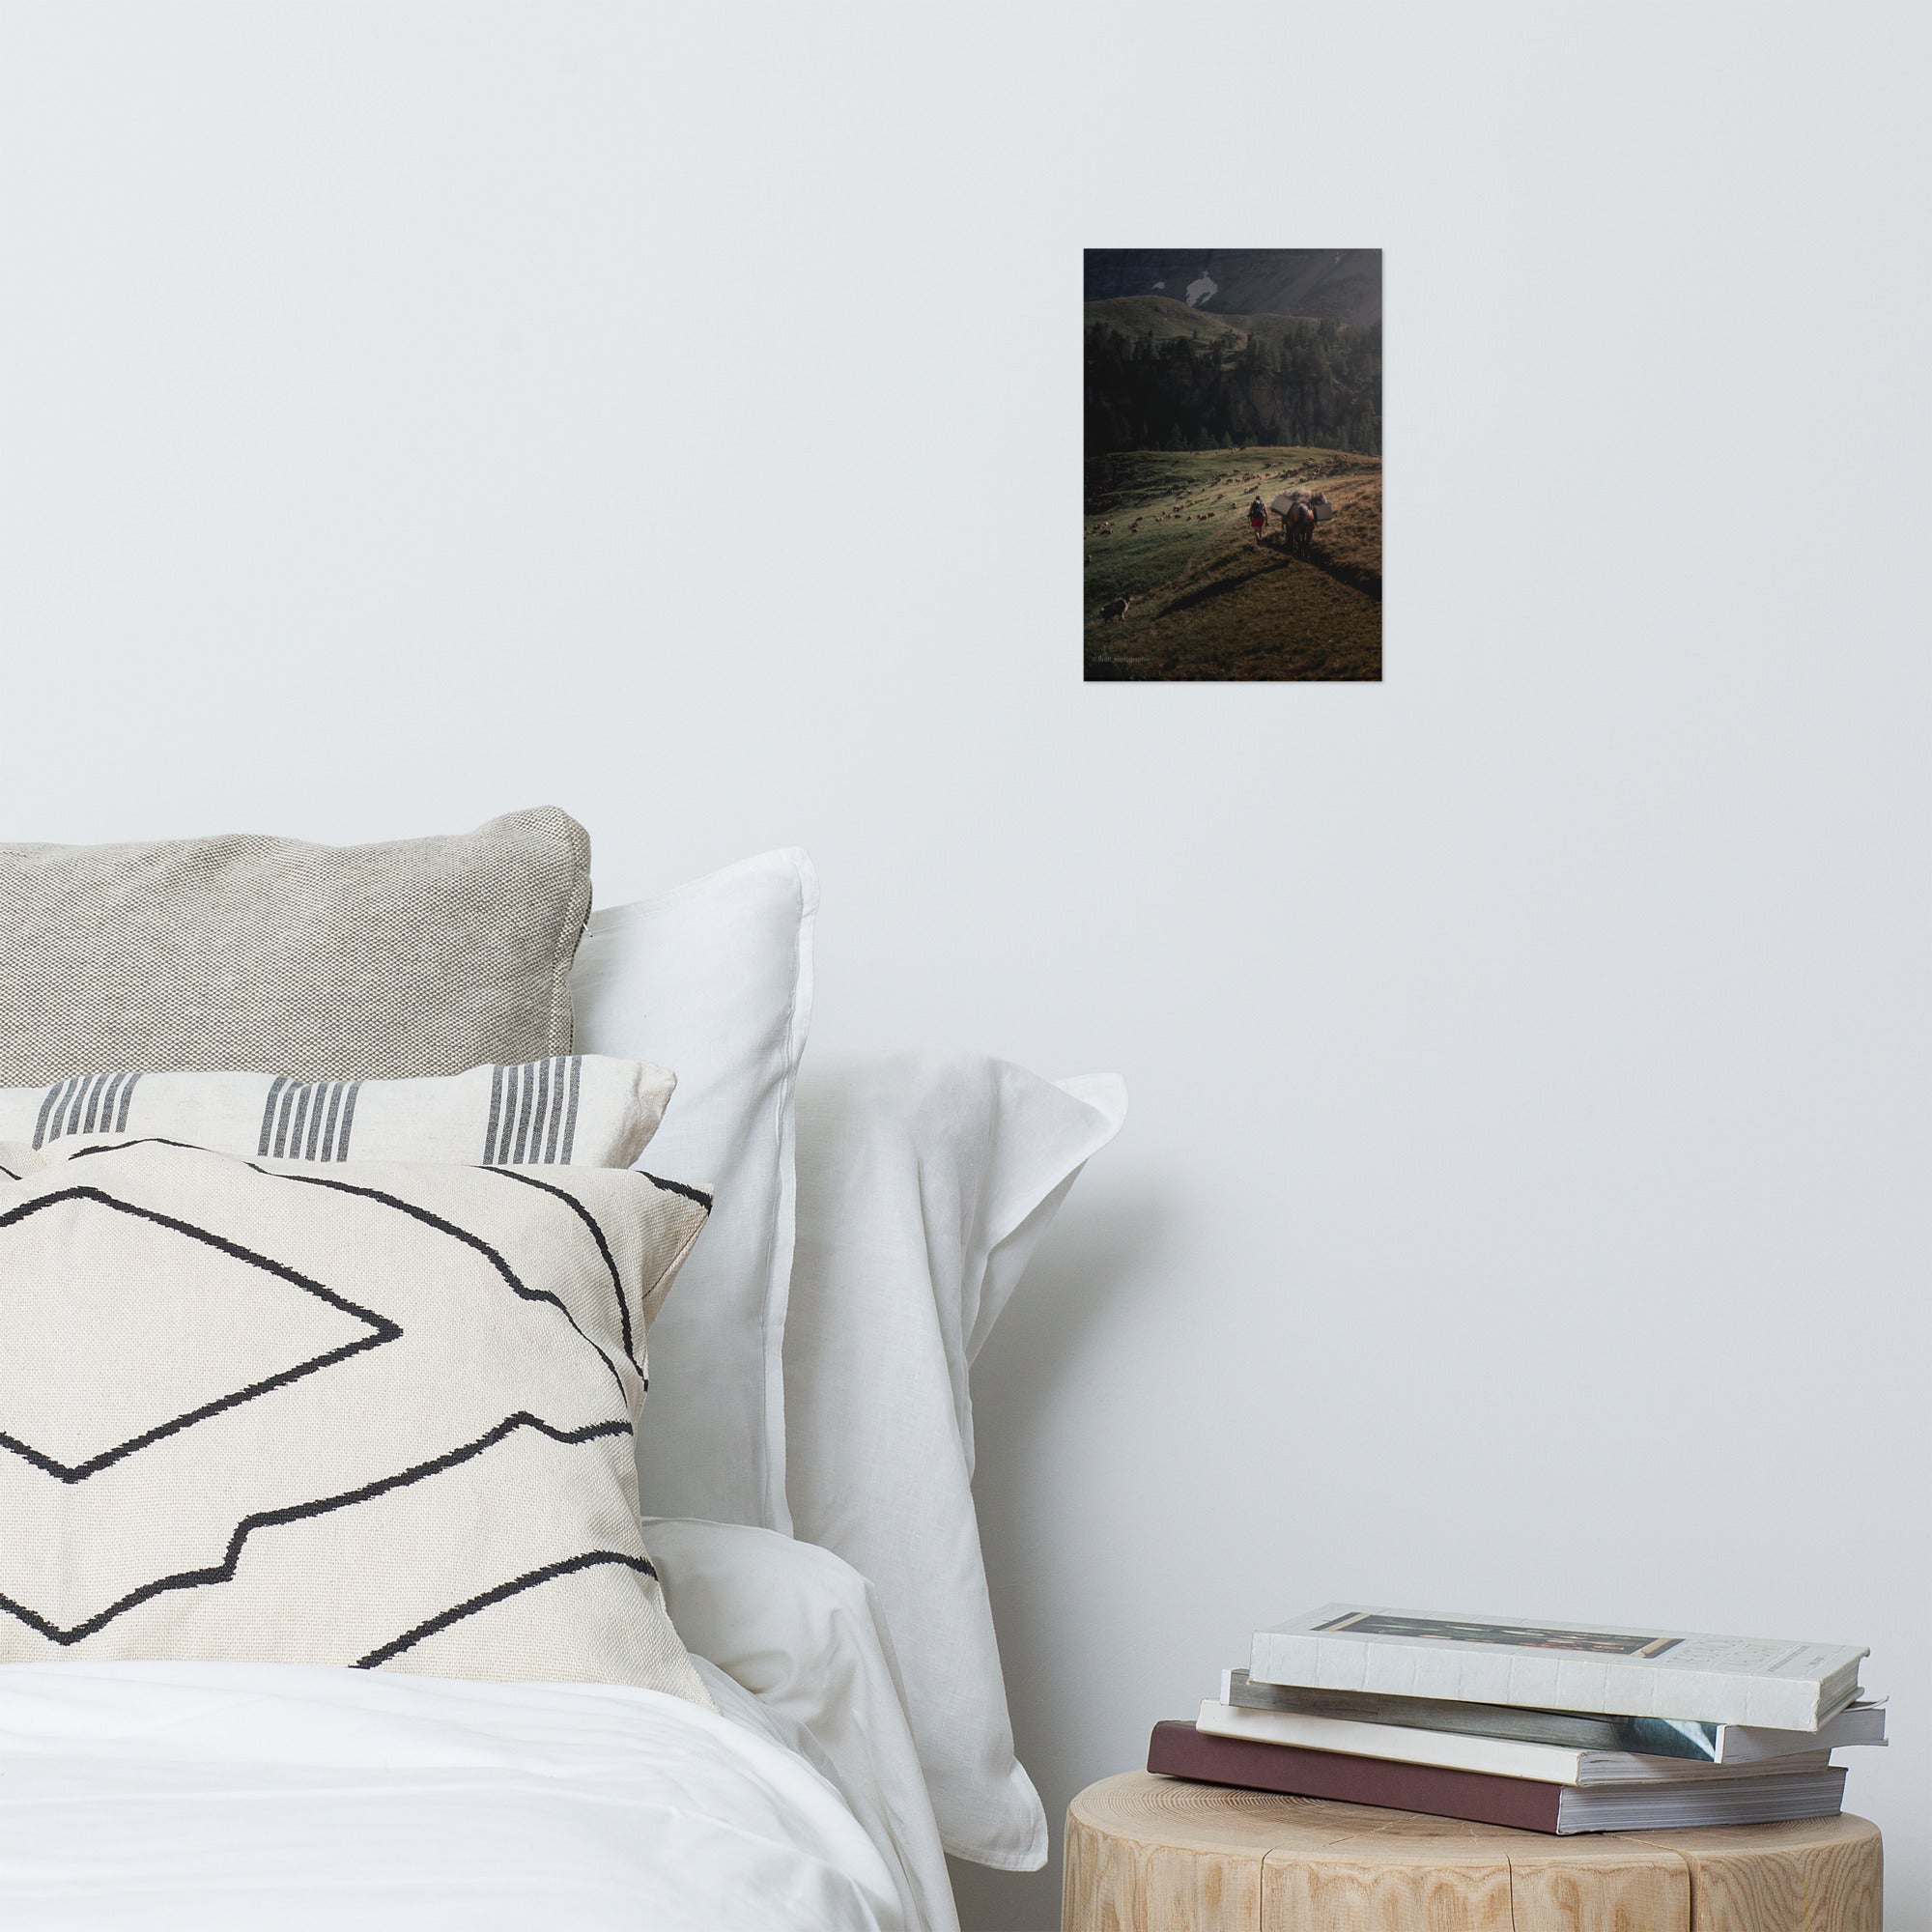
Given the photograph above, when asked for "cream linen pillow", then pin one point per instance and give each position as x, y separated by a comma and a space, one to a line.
324, 962
574, 1110
374, 1414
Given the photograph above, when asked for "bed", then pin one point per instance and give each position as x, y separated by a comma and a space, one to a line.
721, 1658
227, 1794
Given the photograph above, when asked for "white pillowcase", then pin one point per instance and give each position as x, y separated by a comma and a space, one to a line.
925, 1182
714, 980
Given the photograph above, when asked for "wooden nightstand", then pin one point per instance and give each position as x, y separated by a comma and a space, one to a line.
1148, 1854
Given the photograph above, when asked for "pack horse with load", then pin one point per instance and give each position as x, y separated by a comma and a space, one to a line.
1299, 511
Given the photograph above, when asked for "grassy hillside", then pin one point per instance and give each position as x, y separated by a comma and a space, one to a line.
1170, 531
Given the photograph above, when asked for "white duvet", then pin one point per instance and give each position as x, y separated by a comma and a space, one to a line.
223, 1796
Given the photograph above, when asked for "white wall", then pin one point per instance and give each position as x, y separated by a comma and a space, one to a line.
409, 412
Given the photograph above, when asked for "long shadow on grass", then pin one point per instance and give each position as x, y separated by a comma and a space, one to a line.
1220, 589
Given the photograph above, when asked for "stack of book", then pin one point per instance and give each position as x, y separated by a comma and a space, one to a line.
1546, 1727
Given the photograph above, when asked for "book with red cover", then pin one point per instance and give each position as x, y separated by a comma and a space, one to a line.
1180, 1751
1528, 1803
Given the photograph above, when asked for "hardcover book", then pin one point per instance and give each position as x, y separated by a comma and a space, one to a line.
1181, 1751
1650, 1673
1859, 1723
1494, 1757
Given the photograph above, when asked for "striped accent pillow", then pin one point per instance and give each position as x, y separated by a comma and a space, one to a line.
380, 1414
571, 1110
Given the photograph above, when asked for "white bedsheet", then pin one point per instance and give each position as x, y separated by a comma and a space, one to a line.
227, 1796
801, 1629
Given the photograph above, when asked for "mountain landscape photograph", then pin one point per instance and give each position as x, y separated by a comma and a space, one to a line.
1233, 464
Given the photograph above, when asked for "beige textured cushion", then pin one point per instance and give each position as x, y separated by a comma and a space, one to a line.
374, 1414
321, 962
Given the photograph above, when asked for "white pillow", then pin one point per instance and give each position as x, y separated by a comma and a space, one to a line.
713, 981
925, 1182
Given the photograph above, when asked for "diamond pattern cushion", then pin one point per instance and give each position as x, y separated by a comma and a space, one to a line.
366, 1415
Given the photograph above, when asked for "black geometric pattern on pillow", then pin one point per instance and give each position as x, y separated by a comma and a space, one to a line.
224, 1570
362, 1418
378, 1332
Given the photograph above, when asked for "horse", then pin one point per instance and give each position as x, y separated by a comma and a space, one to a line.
1299, 526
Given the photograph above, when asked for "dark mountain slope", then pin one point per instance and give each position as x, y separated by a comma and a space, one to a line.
1164, 319
1342, 284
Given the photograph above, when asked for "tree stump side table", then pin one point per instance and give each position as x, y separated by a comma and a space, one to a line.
1148, 1854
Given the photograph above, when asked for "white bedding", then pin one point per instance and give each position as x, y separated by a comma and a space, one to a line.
801, 1629
226, 1795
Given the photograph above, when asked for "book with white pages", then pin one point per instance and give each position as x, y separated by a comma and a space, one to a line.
1490, 1757
1763, 1682
1860, 1722
1711, 1796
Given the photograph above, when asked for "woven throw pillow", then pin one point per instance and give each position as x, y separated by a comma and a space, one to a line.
575, 1109
376, 1414
321, 962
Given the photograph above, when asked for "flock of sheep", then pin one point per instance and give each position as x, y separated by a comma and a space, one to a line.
1178, 510
1299, 510
1293, 507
